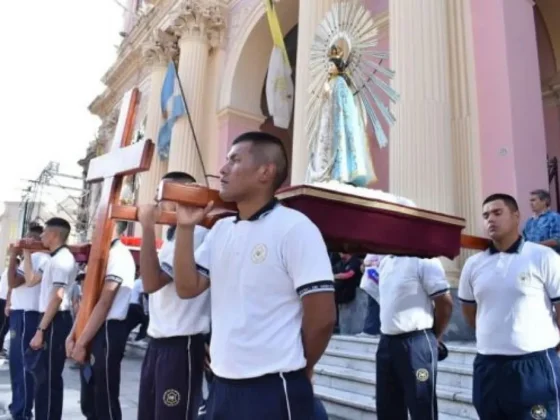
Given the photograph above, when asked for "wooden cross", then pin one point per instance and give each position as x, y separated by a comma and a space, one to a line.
122, 159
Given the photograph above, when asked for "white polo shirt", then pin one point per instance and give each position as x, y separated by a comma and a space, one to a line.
514, 293
171, 316
59, 271
407, 286
4, 285
259, 270
27, 298
121, 269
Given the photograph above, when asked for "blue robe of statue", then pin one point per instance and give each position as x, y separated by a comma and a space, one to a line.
341, 151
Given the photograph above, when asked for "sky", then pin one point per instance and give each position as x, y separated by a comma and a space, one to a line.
54, 54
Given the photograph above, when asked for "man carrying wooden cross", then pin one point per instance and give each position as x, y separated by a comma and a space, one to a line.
24, 318
272, 290
57, 276
171, 380
105, 333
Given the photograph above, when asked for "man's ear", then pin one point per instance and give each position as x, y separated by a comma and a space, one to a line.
267, 172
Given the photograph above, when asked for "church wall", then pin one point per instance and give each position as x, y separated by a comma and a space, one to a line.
511, 122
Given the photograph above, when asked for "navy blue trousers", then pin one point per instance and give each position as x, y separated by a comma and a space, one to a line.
100, 387
23, 326
171, 379
517, 387
372, 323
406, 368
49, 384
287, 396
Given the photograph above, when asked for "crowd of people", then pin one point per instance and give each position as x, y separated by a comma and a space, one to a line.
252, 303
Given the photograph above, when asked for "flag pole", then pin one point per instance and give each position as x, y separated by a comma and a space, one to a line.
191, 123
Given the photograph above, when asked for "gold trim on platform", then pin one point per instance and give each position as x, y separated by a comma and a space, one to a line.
372, 203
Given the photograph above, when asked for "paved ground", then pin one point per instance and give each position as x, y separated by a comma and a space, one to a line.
129, 387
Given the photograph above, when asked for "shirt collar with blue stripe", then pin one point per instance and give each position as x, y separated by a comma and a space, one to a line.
515, 248
266, 209
57, 250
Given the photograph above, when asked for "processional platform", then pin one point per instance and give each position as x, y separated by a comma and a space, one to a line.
355, 224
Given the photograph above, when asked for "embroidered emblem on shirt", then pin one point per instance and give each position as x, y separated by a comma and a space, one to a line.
171, 397
259, 253
422, 375
538, 412
524, 277
91, 360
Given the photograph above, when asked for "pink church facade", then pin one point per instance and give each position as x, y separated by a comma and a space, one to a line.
503, 82
516, 49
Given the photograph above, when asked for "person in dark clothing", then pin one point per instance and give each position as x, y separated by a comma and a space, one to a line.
347, 274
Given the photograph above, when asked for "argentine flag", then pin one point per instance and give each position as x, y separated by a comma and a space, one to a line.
172, 107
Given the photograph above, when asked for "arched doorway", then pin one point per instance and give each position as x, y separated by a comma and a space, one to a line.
240, 103
547, 16
268, 126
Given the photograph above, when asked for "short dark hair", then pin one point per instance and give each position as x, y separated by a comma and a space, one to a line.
179, 176
269, 148
62, 224
508, 200
121, 227
35, 227
543, 195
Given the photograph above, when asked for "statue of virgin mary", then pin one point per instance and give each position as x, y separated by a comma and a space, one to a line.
340, 151
345, 89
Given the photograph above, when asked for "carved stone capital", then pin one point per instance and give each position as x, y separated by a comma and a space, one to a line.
160, 47
205, 19
106, 130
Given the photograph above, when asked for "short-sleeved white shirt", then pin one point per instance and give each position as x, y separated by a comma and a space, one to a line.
27, 298
4, 285
121, 268
259, 270
59, 271
514, 293
171, 316
407, 286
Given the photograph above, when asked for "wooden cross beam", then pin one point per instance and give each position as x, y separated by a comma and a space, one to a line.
121, 160
188, 194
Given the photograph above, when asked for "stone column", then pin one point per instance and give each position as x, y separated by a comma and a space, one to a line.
464, 119
199, 25
160, 49
311, 13
420, 152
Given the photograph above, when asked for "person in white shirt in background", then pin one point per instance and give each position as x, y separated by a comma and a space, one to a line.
370, 270
5, 291
172, 371
137, 312
415, 308
24, 319
105, 335
510, 294
57, 277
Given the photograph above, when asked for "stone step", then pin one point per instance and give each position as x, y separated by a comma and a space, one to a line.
344, 405
455, 375
451, 400
459, 353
